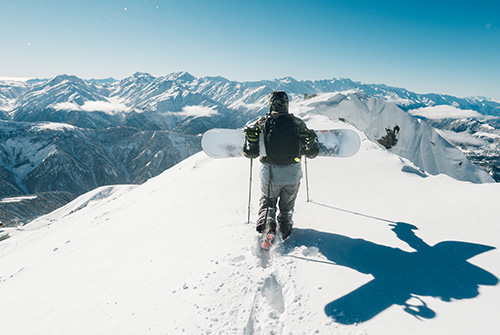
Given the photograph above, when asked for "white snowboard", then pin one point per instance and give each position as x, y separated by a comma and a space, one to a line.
224, 143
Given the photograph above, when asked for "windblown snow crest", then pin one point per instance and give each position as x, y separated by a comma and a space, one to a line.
394, 129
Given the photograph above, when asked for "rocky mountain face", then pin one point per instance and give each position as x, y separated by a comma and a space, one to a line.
67, 134
18, 210
42, 157
49, 157
479, 139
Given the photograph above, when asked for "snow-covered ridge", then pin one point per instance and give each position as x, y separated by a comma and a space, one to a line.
412, 139
175, 255
17, 199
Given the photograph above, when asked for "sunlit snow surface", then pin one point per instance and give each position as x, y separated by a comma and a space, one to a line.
383, 248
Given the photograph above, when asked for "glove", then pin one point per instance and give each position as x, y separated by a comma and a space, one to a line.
309, 147
252, 133
306, 138
251, 147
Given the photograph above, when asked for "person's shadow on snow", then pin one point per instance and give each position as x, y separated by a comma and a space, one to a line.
439, 271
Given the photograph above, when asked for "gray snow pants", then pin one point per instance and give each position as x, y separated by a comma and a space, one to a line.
281, 196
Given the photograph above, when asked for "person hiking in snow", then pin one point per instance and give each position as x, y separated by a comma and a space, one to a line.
286, 138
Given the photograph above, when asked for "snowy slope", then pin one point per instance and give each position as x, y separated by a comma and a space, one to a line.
382, 249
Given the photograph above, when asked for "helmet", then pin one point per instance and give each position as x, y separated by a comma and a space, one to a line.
278, 102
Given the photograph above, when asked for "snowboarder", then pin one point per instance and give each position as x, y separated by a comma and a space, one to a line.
286, 138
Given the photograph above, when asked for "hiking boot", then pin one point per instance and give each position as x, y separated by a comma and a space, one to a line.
268, 237
268, 232
286, 229
285, 223
263, 225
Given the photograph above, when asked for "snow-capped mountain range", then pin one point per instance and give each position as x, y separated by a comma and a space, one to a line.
69, 134
150, 102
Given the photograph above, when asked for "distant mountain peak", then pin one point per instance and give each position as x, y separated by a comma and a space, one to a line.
108, 80
288, 79
64, 77
142, 75
182, 76
217, 78
140, 78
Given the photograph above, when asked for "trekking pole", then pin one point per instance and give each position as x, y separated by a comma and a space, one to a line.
307, 179
250, 189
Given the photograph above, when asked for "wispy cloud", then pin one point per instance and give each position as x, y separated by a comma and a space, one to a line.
92, 106
198, 111
445, 112
462, 138
14, 79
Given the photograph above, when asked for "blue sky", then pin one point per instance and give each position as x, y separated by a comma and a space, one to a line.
425, 46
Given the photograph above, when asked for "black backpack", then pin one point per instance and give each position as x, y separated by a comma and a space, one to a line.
281, 139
